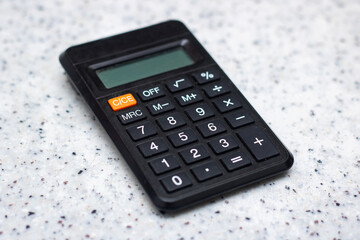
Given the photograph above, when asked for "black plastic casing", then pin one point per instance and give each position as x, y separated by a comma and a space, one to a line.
80, 63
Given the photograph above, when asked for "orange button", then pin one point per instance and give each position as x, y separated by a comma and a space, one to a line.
121, 102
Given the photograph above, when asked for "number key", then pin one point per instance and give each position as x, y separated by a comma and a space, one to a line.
199, 112
223, 144
211, 128
176, 182
153, 147
141, 131
164, 164
183, 137
171, 121
194, 154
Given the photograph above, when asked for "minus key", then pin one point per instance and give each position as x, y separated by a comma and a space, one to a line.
238, 118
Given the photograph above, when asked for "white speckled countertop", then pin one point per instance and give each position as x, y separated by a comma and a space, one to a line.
298, 63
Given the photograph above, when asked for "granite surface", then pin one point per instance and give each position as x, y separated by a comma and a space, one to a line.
298, 63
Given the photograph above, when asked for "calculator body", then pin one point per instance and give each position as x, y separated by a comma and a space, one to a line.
186, 131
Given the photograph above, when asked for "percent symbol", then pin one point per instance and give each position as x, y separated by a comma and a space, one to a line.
207, 75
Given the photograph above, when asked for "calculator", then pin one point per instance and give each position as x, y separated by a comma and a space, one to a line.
179, 122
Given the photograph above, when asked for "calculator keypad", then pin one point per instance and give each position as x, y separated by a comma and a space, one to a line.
195, 124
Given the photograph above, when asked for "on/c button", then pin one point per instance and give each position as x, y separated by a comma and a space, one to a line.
121, 102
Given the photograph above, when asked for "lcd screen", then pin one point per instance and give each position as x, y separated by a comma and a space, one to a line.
144, 67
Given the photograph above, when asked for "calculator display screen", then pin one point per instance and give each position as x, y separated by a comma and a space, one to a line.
144, 67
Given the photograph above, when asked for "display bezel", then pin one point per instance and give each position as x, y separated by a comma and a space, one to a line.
189, 49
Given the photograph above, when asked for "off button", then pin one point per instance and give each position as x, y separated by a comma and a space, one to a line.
151, 93
121, 102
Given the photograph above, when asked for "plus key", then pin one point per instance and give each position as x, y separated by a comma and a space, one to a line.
258, 142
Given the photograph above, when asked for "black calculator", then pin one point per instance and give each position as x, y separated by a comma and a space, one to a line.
183, 127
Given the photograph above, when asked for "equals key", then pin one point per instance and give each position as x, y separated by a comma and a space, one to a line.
238, 118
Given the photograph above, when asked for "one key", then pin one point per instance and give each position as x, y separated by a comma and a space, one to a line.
176, 182
206, 171
151, 93
164, 164
161, 106
194, 154
178, 84
216, 89
189, 97
223, 144
239, 118
235, 161
211, 128
225, 104
153, 147
132, 115
206, 75
171, 121
258, 142
141, 131
183, 137
199, 112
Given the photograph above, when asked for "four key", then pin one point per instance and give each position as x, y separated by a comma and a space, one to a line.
153, 147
